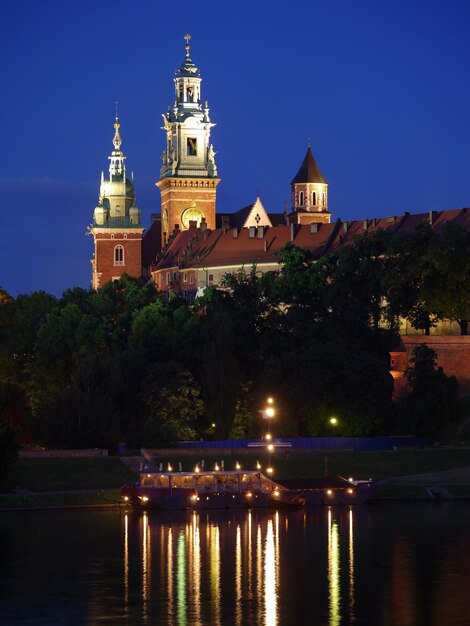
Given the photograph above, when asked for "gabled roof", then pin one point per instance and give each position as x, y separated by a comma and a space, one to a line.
251, 215
309, 172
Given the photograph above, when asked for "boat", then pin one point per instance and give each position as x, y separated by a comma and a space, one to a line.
233, 489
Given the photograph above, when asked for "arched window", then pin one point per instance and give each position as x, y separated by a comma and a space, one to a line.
314, 198
118, 255
301, 198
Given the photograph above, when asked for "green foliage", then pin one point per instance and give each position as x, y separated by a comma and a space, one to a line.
9, 448
172, 404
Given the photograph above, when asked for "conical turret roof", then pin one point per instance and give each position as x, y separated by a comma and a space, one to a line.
309, 172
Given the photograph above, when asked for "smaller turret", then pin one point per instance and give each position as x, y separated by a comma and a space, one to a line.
117, 195
309, 192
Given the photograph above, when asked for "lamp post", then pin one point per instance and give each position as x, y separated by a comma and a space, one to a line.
268, 413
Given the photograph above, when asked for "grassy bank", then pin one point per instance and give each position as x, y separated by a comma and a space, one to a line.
62, 474
364, 465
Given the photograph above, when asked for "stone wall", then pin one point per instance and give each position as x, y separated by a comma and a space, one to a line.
453, 355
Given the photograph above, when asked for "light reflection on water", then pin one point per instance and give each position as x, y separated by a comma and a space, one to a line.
328, 567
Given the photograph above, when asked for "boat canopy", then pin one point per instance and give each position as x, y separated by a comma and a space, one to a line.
215, 481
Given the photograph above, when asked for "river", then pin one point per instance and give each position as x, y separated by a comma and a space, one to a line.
383, 565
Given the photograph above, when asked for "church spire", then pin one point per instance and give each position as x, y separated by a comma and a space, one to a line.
117, 141
117, 167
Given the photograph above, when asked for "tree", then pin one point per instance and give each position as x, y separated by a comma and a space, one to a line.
172, 404
446, 279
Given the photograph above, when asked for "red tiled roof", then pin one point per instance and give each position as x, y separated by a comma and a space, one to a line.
198, 248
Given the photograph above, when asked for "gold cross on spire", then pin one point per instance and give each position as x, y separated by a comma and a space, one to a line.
188, 38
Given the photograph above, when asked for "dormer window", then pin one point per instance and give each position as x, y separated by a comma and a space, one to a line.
118, 255
191, 146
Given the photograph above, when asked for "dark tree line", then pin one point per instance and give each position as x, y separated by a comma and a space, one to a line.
92, 369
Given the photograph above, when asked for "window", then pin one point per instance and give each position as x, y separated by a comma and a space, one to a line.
301, 198
174, 277
168, 278
191, 279
185, 277
324, 199
191, 146
118, 255
211, 278
125, 235
314, 198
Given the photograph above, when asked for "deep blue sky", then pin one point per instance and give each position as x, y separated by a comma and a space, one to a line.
382, 88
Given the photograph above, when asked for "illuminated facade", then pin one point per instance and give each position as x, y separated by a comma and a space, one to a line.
117, 231
188, 175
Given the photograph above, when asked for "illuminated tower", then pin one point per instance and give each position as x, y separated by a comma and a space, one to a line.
309, 194
188, 176
116, 229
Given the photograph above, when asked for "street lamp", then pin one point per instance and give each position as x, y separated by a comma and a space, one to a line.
333, 421
268, 413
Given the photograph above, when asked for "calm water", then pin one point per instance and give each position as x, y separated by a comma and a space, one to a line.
378, 566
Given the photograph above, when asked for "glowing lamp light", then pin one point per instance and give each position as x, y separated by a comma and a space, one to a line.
258, 465
269, 411
148, 475
216, 467
329, 492
268, 437
194, 498
213, 425
237, 465
170, 469
197, 469
270, 470
249, 494
145, 499
126, 498
276, 493
270, 400
333, 421
270, 447
351, 479
350, 491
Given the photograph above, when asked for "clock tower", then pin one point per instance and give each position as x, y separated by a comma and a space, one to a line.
188, 176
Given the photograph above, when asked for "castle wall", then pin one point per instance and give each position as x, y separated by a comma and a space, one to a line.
453, 355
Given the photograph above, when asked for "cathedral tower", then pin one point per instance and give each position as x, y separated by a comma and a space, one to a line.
188, 176
309, 194
116, 229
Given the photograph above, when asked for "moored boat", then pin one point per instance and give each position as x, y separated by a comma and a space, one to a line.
233, 489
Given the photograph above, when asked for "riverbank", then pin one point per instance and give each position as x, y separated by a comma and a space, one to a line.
55, 483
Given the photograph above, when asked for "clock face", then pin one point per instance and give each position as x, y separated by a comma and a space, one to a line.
192, 214
165, 221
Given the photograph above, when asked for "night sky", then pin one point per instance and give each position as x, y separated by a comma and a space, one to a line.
381, 88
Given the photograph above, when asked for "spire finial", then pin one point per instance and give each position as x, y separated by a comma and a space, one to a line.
308, 142
117, 137
187, 37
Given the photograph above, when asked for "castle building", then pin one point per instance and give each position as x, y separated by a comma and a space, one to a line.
116, 229
189, 246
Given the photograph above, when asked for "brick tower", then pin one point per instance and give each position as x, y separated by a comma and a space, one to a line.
116, 229
309, 194
188, 176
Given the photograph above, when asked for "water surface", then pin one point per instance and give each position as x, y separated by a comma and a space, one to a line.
372, 565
